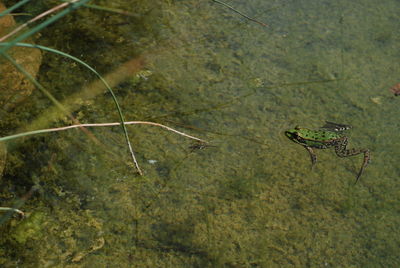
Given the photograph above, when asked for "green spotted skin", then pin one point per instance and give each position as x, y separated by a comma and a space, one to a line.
330, 136
320, 139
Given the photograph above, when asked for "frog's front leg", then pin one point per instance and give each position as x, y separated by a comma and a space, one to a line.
312, 155
342, 151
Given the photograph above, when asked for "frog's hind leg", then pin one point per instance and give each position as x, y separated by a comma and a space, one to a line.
365, 163
342, 151
312, 155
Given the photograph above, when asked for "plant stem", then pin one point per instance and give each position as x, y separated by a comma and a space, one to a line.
13, 209
99, 125
241, 14
17, 5
35, 19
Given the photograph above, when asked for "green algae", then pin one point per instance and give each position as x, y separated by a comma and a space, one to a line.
29, 228
252, 200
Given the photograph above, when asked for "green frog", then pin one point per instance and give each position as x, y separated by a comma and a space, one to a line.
331, 135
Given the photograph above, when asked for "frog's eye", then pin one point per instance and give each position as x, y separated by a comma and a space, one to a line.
296, 127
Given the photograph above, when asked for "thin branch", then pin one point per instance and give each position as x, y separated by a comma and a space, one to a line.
37, 18
13, 209
20, 68
99, 125
241, 14
103, 125
17, 5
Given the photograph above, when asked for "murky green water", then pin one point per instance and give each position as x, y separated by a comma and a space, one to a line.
250, 201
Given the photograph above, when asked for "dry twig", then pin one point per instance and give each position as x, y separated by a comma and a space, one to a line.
241, 14
13, 209
19, 28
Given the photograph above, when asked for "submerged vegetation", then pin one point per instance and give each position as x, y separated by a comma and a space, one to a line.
246, 199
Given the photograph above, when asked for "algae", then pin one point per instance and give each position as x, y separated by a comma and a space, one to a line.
29, 228
250, 201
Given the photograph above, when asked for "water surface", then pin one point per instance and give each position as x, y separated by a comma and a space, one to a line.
250, 201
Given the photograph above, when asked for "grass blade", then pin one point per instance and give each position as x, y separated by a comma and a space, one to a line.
61, 107
74, 5
17, 5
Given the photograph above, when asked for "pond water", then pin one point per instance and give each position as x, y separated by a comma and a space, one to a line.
250, 199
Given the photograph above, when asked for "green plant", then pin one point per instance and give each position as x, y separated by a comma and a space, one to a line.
70, 6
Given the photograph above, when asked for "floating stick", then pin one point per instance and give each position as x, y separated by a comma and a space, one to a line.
13, 209
98, 125
102, 125
241, 14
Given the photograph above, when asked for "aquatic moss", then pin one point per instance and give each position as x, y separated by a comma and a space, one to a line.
29, 228
252, 200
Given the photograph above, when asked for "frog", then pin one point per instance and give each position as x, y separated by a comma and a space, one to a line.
330, 135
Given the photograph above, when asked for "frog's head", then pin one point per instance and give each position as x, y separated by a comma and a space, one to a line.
294, 135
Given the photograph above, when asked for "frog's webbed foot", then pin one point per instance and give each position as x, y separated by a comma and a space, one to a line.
312, 155
365, 163
335, 126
